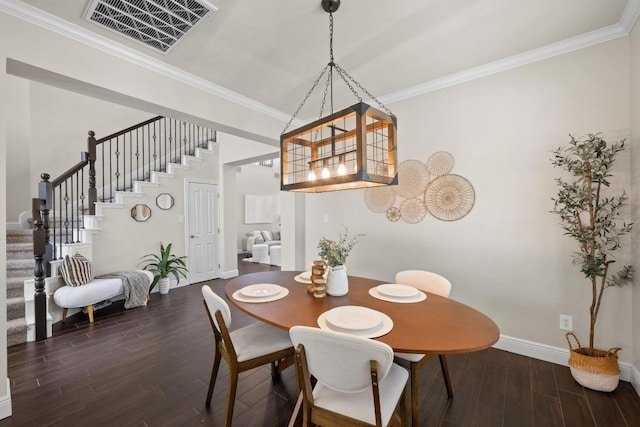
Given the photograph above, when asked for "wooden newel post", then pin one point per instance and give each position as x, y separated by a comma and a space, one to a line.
93, 193
40, 296
46, 200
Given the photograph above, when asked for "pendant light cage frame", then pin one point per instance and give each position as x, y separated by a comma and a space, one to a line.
353, 148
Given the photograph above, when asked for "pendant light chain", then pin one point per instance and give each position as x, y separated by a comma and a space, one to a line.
346, 77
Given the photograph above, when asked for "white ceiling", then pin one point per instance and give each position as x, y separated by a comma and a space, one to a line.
272, 51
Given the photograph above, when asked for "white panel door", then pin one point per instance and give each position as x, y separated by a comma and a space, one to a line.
202, 230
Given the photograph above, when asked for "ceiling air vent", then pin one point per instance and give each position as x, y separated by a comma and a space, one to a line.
159, 24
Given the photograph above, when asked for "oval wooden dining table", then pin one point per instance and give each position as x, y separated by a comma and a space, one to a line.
437, 325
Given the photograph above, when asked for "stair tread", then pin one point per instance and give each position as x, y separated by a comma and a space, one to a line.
20, 263
16, 325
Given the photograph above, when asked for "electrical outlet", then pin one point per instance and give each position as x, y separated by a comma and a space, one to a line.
566, 322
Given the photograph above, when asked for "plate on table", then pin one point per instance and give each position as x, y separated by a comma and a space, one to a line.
306, 275
353, 317
384, 326
396, 290
260, 290
420, 296
301, 279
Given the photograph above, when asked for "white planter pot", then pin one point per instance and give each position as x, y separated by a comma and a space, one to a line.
337, 282
164, 285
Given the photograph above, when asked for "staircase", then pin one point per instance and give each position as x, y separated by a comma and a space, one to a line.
116, 172
20, 266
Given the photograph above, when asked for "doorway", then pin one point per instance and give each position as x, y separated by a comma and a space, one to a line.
202, 230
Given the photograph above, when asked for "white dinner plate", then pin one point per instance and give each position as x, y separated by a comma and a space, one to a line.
237, 295
353, 317
383, 328
305, 275
421, 296
260, 290
397, 291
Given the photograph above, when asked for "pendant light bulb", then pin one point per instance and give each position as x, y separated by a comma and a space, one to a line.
325, 173
342, 169
311, 176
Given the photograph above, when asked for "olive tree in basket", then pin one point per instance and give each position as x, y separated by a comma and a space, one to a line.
592, 217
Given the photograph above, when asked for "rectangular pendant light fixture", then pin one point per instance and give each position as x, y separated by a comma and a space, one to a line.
353, 148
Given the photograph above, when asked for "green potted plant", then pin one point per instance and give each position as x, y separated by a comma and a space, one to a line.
592, 217
162, 266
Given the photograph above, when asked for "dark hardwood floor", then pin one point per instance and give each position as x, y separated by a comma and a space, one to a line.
150, 366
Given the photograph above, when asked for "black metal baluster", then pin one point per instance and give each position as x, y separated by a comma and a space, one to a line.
155, 152
53, 219
60, 220
103, 169
66, 212
117, 153
137, 154
164, 124
130, 162
110, 172
149, 150
82, 196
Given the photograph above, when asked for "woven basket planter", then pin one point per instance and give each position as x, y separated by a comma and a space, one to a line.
593, 368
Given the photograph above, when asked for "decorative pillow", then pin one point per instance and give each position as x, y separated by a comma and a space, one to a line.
266, 235
257, 233
76, 270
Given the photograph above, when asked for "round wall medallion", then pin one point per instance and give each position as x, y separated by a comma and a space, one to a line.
413, 211
393, 214
413, 178
379, 199
440, 163
450, 197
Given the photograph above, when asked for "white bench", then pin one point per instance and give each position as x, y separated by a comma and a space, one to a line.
91, 293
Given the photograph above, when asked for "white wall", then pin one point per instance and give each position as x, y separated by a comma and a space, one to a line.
634, 49
5, 396
123, 241
508, 257
256, 181
19, 149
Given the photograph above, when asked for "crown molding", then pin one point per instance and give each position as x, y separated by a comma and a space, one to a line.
630, 15
53, 23
549, 51
28, 13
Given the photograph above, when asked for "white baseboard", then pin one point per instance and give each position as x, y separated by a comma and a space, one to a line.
635, 379
557, 355
5, 403
229, 274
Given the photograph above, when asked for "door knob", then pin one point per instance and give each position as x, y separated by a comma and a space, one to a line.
193, 236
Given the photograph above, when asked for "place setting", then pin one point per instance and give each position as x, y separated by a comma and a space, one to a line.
395, 292
260, 292
304, 277
356, 320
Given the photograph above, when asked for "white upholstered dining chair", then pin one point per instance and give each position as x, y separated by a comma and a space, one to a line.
357, 382
243, 349
436, 284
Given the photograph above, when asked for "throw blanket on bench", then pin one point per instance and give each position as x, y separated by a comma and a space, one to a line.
136, 287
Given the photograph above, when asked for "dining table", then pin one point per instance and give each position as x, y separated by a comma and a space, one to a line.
433, 325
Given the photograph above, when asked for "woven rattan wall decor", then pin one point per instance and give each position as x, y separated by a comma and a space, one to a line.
424, 188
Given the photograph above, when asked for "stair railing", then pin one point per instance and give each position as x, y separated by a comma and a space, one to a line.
110, 164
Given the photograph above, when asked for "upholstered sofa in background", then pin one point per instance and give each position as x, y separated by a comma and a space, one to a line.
260, 236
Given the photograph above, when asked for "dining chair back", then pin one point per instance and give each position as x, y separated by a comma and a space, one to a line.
243, 349
435, 284
425, 281
357, 381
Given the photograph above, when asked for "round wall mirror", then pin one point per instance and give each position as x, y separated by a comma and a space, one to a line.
141, 213
164, 201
